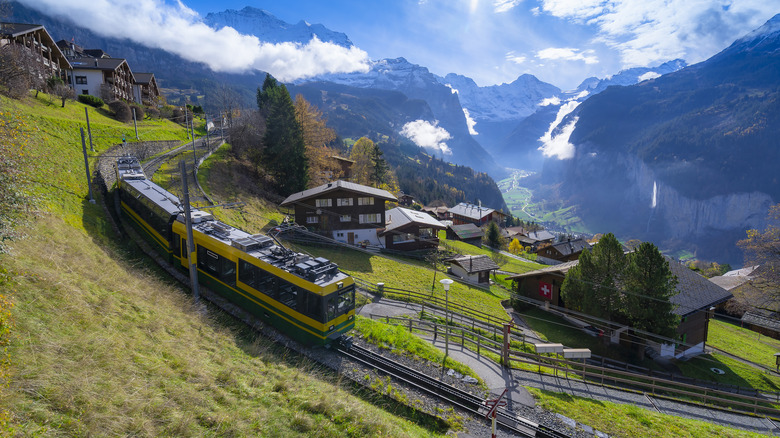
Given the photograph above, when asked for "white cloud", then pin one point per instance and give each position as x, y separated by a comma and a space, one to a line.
555, 100
650, 31
568, 54
428, 135
559, 146
504, 5
517, 59
648, 75
470, 122
580, 95
176, 29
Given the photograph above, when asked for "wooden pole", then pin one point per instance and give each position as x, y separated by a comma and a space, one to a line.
190, 242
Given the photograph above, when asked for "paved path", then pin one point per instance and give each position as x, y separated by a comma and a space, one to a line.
497, 378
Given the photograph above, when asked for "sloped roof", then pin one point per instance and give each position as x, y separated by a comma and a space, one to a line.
561, 270
571, 246
474, 264
338, 185
109, 64
467, 231
399, 216
143, 78
541, 235
471, 211
763, 318
694, 292
16, 29
729, 282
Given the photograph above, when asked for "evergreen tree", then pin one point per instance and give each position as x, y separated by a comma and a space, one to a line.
285, 150
493, 235
649, 284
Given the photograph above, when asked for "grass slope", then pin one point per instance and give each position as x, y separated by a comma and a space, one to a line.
103, 344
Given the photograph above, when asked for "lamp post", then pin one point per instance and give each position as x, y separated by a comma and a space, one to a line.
446, 283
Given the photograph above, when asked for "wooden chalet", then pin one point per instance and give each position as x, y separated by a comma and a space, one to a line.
475, 269
48, 59
348, 212
145, 89
465, 213
405, 199
107, 78
409, 230
565, 251
468, 233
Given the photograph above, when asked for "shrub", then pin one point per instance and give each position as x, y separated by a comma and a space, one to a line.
139, 111
90, 100
121, 111
153, 112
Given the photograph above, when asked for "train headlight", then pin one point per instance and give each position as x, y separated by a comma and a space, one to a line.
340, 285
331, 328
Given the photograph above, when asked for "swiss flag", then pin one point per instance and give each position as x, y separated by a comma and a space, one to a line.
545, 290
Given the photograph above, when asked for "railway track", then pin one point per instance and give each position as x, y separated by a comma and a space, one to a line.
454, 396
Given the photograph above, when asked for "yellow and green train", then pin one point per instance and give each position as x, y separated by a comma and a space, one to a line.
309, 299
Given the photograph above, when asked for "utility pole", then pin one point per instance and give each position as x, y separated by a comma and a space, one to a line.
190, 242
135, 125
194, 154
186, 123
207, 131
89, 131
86, 166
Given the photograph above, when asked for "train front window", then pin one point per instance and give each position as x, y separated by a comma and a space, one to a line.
341, 303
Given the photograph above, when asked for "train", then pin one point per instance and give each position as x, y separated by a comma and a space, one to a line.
306, 298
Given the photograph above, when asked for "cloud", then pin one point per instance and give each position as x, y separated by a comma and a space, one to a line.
517, 59
428, 135
651, 31
558, 146
177, 29
504, 5
555, 100
471, 123
568, 54
648, 75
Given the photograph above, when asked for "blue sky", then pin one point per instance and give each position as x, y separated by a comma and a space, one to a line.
559, 41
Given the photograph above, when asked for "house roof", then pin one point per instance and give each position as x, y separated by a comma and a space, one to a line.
515, 230
467, 231
474, 264
338, 185
523, 239
694, 292
109, 64
763, 318
13, 30
398, 217
436, 210
729, 282
571, 246
470, 211
143, 78
541, 235
560, 270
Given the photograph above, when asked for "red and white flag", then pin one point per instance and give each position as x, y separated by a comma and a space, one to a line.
545, 290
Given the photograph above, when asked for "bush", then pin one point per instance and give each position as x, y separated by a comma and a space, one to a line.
90, 100
121, 111
139, 111
153, 112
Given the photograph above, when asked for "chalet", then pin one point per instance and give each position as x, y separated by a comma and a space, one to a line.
145, 89
107, 78
540, 238
346, 211
345, 165
472, 268
565, 251
695, 297
753, 301
405, 199
47, 59
439, 213
409, 230
465, 213
468, 233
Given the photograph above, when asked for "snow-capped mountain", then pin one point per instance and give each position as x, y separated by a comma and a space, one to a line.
266, 27
513, 101
627, 77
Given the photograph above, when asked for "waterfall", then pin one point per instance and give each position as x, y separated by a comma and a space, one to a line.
652, 205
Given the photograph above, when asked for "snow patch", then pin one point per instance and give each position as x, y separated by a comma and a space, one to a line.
648, 75
471, 123
559, 146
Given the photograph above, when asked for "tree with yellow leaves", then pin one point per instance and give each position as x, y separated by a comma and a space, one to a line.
318, 137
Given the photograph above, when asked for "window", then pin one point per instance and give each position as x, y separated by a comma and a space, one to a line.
373, 218
323, 202
426, 232
341, 303
405, 237
345, 218
84, 91
82, 80
344, 202
217, 266
257, 278
366, 201
312, 219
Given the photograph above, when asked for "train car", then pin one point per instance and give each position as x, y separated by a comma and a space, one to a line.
307, 298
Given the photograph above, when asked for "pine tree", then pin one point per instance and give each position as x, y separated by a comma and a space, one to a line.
649, 284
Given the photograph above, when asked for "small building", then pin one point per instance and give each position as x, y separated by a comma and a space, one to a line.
47, 59
345, 165
348, 212
465, 213
106, 78
562, 251
145, 89
439, 213
468, 233
475, 269
405, 199
540, 238
543, 284
753, 299
409, 230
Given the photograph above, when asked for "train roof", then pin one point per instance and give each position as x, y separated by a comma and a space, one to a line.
156, 194
317, 270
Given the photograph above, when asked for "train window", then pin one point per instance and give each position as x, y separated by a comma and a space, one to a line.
257, 278
175, 245
216, 265
288, 295
184, 249
341, 303
312, 306
228, 272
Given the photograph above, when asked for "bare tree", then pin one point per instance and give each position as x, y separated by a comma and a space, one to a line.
227, 102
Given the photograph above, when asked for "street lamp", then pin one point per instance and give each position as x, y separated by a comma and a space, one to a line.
446, 283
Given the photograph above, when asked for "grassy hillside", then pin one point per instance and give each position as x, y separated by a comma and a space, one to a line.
103, 344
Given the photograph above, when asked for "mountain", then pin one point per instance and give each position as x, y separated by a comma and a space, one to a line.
521, 143
415, 80
690, 156
266, 27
